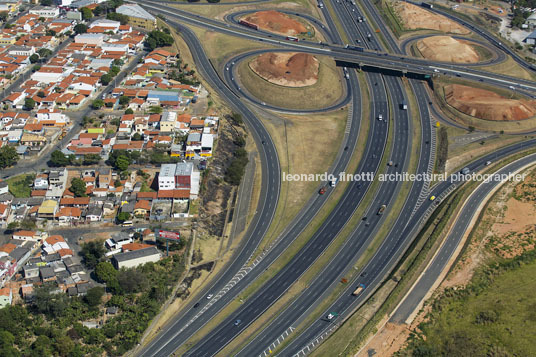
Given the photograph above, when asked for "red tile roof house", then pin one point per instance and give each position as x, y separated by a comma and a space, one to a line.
67, 215
28, 235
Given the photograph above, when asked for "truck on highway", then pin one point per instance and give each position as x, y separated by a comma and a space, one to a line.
404, 105
354, 48
359, 289
427, 5
249, 24
381, 209
292, 38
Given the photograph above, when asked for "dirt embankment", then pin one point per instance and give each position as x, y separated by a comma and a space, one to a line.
484, 104
448, 49
289, 69
277, 22
414, 17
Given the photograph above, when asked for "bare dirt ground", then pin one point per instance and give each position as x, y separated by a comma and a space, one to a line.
288, 69
448, 49
414, 17
277, 22
484, 104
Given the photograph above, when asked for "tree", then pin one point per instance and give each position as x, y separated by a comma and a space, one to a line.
41, 346
158, 38
59, 159
123, 19
46, 2
122, 162
8, 156
137, 137
29, 103
114, 71
131, 280
123, 216
105, 79
41, 94
97, 104
106, 273
44, 52
78, 187
34, 58
129, 111
86, 13
94, 296
3, 16
92, 252
50, 33
80, 28
124, 100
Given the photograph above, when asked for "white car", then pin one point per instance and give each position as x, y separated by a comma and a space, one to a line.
380, 117
209, 296
330, 316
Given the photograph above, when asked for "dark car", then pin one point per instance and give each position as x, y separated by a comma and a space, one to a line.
196, 305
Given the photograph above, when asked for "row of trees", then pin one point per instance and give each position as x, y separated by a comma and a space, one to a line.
59, 159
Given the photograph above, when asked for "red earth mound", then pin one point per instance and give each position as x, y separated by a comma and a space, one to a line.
289, 69
277, 22
484, 104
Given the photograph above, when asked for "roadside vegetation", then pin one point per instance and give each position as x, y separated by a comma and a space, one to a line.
494, 315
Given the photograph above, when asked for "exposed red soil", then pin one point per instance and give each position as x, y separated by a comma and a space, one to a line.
289, 69
277, 22
484, 104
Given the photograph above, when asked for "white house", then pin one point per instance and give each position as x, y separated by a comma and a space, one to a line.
90, 38
110, 25
48, 75
21, 50
45, 11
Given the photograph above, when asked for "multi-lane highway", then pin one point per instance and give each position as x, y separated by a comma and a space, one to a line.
387, 94
191, 320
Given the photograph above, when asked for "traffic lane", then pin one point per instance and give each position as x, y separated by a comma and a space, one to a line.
347, 302
403, 63
351, 248
270, 181
450, 244
278, 285
354, 142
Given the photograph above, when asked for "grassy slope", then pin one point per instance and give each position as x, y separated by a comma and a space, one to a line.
509, 301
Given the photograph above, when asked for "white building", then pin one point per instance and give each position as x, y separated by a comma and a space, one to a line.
166, 178
135, 258
108, 24
45, 11
21, 50
48, 75
90, 38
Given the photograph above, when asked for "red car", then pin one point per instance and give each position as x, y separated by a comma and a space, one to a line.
322, 191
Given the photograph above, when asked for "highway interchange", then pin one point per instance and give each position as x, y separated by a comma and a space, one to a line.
387, 94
